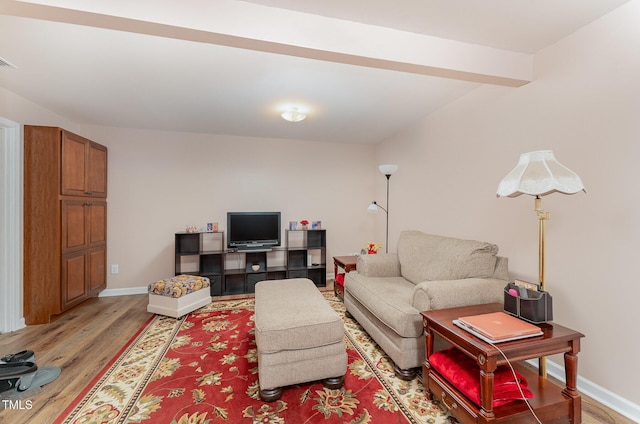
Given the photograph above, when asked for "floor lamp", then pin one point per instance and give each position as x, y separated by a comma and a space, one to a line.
387, 170
538, 174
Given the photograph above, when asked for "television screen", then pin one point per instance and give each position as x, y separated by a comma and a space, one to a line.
253, 230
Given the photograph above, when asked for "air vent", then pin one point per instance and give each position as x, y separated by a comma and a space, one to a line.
6, 64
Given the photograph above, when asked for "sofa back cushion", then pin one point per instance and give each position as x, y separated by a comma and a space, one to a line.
426, 257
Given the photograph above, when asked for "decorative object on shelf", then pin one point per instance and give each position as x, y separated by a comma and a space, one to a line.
372, 248
387, 170
209, 227
215, 227
293, 225
191, 229
255, 267
538, 174
316, 225
305, 224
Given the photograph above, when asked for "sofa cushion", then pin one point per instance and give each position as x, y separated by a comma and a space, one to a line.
426, 257
389, 300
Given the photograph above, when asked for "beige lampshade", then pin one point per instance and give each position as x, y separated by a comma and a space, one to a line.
538, 174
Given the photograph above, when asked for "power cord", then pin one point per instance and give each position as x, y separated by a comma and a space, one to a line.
515, 377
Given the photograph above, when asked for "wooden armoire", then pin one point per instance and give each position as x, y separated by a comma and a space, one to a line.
65, 221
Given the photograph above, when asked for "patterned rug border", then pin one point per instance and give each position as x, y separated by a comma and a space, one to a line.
98, 381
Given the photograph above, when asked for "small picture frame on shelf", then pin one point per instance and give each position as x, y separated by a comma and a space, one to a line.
209, 227
316, 225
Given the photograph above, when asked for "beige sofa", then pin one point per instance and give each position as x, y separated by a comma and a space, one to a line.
387, 292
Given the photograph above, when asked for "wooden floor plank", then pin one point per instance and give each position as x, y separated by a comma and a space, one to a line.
85, 339
80, 342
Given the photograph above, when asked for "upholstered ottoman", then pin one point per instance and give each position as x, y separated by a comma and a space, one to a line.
179, 295
298, 335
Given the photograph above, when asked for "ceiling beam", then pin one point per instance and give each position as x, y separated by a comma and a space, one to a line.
260, 28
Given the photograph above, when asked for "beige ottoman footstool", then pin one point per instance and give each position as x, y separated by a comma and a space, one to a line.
298, 335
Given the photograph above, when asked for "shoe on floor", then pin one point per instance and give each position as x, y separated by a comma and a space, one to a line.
23, 356
20, 377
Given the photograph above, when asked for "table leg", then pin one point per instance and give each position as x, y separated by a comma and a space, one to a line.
486, 394
571, 377
428, 341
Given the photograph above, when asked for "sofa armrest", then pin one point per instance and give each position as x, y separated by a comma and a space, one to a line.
501, 271
431, 295
379, 265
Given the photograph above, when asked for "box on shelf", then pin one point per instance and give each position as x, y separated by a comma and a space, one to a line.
536, 308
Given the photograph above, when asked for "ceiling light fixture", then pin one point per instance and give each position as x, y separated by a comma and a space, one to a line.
293, 115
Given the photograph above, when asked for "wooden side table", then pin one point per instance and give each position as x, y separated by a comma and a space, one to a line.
348, 263
551, 403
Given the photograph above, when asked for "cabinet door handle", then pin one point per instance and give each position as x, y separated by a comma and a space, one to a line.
88, 204
88, 193
453, 406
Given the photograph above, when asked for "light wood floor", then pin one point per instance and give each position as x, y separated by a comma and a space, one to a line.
84, 340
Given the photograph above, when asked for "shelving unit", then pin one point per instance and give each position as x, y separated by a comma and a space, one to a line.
307, 255
231, 272
201, 254
239, 276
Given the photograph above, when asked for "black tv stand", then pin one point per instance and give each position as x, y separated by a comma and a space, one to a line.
231, 271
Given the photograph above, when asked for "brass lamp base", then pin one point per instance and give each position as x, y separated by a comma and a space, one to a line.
543, 217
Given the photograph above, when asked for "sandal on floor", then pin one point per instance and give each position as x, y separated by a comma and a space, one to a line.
17, 378
17, 374
24, 356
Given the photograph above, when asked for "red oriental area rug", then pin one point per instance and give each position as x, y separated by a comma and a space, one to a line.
203, 369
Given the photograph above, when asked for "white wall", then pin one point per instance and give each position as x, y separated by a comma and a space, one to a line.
585, 106
160, 182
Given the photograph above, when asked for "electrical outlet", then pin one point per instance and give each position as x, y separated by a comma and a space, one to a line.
114, 269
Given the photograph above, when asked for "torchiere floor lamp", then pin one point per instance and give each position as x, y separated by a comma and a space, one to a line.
387, 170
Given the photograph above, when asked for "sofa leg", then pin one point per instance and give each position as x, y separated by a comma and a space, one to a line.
404, 374
334, 382
270, 395
348, 314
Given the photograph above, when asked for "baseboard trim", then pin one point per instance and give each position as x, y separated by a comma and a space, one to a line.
123, 292
598, 393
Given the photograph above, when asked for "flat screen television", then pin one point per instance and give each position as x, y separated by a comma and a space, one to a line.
253, 230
